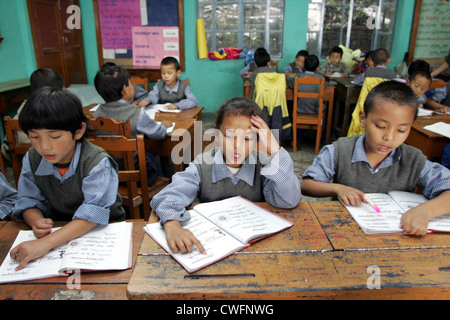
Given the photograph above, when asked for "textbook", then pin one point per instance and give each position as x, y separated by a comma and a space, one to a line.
222, 227
102, 248
392, 205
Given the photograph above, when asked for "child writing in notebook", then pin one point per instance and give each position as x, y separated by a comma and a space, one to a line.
64, 177
335, 64
298, 65
170, 89
420, 82
114, 86
380, 161
233, 168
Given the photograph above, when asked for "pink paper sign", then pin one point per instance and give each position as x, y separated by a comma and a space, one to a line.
117, 17
152, 44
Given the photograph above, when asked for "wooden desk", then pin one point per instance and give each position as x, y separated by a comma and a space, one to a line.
432, 144
346, 93
193, 113
12, 94
102, 285
297, 264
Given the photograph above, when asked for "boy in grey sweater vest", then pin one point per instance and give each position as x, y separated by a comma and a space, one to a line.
379, 161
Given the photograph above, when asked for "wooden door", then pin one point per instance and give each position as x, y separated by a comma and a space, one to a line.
56, 46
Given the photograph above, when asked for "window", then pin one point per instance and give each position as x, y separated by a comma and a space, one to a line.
243, 24
356, 24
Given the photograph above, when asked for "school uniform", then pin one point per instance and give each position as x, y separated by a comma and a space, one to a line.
180, 95
87, 190
329, 67
8, 196
306, 105
376, 72
345, 162
291, 67
442, 95
207, 178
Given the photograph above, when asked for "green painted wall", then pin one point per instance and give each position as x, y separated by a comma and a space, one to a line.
211, 81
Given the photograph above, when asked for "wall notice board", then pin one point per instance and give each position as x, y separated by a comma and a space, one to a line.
430, 35
137, 34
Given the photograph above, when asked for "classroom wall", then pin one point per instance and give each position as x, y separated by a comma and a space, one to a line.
211, 81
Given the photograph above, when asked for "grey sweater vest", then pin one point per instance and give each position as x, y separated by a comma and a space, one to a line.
402, 176
172, 97
64, 199
224, 188
120, 112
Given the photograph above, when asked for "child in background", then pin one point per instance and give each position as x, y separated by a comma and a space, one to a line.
8, 197
335, 64
419, 82
380, 58
262, 61
40, 78
114, 86
234, 168
440, 100
298, 65
170, 89
380, 161
64, 177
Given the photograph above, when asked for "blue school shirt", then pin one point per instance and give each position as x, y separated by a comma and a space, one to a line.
281, 187
188, 103
434, 178
99, 188
8, 196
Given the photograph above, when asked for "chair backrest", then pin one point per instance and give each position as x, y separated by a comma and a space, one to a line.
140, 81
2, 165
187, 81
274, 64
17, 150
131, 176
316, 82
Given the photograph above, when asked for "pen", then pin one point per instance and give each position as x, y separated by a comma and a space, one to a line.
369, 201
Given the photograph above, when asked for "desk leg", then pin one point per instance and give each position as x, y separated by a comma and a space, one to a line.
330, 116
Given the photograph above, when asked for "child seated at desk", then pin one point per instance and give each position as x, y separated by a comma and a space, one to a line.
262, 62
40, 78
380, 161
335, 64
380, 58
307, 105
170, 89
64, 177
8, 197
298, 65
114, 86
420, 81
440, 100
233, 168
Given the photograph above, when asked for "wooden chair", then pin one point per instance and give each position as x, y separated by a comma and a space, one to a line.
140, 81
17, 151
2, 165
187, 81
274, 64
130, 176
308, 121
125, 189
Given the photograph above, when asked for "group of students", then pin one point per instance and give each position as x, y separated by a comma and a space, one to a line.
78, 181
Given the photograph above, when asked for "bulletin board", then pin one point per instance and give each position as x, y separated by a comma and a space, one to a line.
430, 34
137, 34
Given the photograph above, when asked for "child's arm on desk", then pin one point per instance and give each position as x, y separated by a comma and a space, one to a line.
415, 220
348, 195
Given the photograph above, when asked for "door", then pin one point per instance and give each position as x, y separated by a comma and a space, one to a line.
56, 46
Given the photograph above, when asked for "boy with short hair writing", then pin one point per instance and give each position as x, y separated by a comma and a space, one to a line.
380, 161
298, 65
380, 58
170, 89
420, 81
335, 64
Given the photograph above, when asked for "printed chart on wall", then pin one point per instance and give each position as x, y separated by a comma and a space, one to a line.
145, 31
433, 35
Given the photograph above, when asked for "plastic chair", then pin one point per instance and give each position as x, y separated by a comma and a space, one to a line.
308, 121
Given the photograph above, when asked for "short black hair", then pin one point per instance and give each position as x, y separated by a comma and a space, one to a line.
262, 57
238, 106
52, 109
311, 63
109, 82
422, 73
336, 50
396, 92
302, 53
46, 77
379, 56
170, 60
418, 65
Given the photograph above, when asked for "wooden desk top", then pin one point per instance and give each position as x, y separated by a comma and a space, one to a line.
14, 84
102, 285
345, 234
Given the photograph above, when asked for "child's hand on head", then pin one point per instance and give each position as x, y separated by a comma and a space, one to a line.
267, 141
349, 196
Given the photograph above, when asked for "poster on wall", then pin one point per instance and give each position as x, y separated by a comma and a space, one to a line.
152, 44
